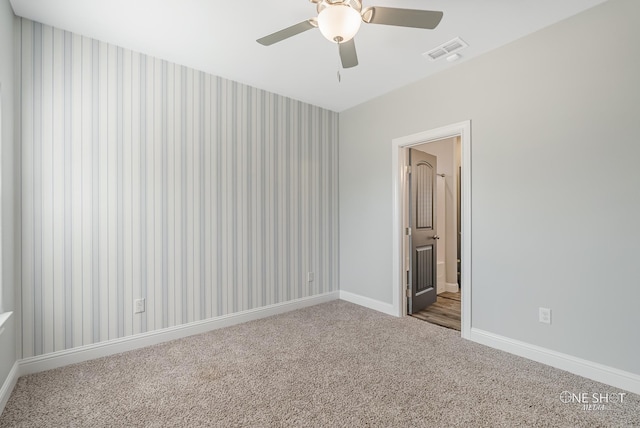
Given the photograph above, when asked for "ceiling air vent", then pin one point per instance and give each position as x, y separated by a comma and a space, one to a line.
445, 49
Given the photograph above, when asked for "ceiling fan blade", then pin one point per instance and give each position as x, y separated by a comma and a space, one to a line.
279, 36
348, 54
414, 18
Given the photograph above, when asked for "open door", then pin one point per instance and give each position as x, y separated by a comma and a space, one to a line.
423, 238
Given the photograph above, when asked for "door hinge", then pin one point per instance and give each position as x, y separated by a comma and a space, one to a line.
408, 231
407, 169
408, 292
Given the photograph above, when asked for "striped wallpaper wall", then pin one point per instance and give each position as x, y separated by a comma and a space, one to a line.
145, 179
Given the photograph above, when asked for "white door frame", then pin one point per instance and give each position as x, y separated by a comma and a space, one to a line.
398, 177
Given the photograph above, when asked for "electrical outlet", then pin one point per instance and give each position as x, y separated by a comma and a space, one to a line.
138, 306
544, 315
310, 276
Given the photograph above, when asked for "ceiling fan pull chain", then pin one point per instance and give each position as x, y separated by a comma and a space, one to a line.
339, 64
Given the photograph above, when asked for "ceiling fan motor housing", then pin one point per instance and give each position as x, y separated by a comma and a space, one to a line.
321, 4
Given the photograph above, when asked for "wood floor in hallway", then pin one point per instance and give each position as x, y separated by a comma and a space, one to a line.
445, 311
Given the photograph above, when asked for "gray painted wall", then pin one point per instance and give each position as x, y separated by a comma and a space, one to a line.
145, 179
7, 287
555, 178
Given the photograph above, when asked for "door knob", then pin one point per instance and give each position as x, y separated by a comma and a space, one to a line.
435, 237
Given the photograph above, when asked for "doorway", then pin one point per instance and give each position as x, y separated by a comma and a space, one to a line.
400, 148
443, 197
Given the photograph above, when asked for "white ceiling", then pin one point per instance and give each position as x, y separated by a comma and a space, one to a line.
219, 37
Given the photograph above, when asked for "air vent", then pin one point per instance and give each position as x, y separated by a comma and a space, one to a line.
435, 54
445, 49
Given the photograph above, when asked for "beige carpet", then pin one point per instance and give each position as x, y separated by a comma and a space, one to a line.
330, 365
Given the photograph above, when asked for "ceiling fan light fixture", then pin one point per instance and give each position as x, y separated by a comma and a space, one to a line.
339, 22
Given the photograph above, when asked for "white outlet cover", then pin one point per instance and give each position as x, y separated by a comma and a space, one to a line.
138, 306
544, 315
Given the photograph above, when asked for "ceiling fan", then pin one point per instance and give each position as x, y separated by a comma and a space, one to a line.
339, 21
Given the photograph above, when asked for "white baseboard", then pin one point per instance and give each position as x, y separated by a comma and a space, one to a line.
8, 385
595, 371
367, 302
89, 352
451, 287
598, 372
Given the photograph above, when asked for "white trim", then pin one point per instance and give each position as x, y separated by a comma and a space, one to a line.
451, 287
8, 385
89, 352
367, 302
595, 371
462, 129
4, 317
